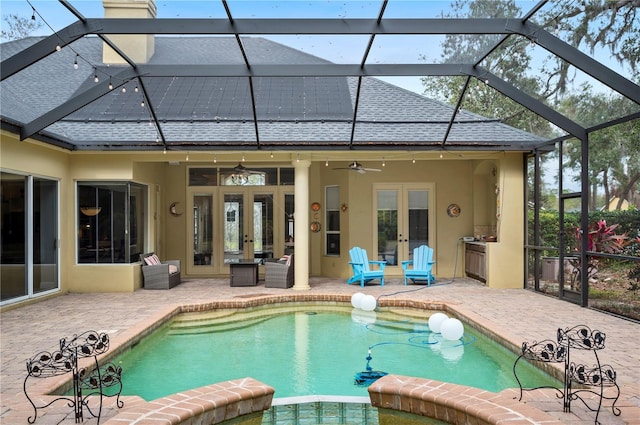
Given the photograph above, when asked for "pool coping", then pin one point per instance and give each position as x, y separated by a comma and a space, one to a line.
125, 339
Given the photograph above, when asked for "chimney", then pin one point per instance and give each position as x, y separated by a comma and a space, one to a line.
139, 47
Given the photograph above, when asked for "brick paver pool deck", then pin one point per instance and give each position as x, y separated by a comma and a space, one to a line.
514, 315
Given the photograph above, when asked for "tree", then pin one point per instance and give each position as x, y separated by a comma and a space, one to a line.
18, 27
585, 24
614, 152
611, 24
510, 64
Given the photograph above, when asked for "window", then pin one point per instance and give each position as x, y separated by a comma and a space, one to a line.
332, 232
244, 176
111, 222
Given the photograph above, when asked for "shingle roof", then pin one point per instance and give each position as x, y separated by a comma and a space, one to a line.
217, 112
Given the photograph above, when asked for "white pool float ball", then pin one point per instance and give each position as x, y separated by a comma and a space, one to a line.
452, 329
435, 321
368, 303
356, 299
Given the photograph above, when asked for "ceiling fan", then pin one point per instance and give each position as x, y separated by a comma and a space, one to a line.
244, 171
357, 167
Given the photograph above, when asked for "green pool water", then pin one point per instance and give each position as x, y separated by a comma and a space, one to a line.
312, 350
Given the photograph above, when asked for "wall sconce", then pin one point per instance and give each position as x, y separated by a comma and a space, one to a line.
90, 211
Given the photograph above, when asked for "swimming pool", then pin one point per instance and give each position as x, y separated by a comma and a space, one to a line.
311, 349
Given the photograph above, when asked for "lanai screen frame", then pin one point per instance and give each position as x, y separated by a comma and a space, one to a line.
370, 27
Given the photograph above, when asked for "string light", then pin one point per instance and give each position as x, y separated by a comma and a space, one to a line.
124, 89
33, 13
297, 158
326, 163
58, 48
440, 156
271, 155
142, 103
383, 162
413, 160
165, 151
136, 89
75, 62
187, 158
95, 75
215, 159
110, 84
242, 160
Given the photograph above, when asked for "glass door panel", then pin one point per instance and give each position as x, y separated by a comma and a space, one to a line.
418, 219
387, 225
234, 227
45, 234
13, 246
262, 226
288, 224
202, 229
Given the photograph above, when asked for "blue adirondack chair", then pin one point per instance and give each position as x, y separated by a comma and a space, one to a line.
362, 272
421, 265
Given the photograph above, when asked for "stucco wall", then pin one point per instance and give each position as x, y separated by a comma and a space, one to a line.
452, 181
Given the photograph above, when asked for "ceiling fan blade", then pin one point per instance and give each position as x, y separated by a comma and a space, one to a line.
241, 169
371, 169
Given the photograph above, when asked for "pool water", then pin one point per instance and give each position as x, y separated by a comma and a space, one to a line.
312, 350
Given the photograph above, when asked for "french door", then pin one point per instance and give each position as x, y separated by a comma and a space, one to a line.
248, 224
404, 219
239, 223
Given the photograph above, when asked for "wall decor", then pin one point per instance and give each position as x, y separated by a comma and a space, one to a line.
453, 210
173, 209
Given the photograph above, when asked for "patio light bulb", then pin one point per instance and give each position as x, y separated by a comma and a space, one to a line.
271, 155
413, 160
242, 160
215, 159
33, 13
95, 76
164, 151
110, 84
58, 48
75, 62
124, 89
142, 103
187, 158
326, 163
383, 162
297, 158
135, 89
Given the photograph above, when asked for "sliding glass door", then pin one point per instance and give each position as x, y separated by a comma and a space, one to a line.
29, 259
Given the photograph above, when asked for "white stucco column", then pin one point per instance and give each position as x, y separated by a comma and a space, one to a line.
301, 225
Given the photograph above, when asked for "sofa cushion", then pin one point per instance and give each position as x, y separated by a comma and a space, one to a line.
152, 260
